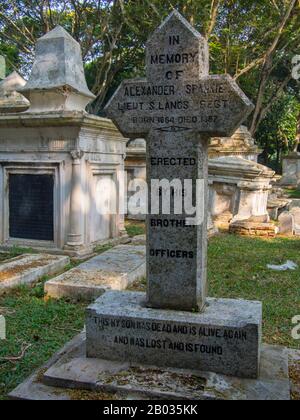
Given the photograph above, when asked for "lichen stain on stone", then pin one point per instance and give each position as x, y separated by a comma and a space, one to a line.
21, 268
95, 277
295, 380
165, 381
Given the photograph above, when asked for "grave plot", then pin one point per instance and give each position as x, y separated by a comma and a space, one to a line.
115, 269
29, 268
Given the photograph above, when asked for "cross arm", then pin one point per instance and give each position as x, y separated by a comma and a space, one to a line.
219, 105
129, 107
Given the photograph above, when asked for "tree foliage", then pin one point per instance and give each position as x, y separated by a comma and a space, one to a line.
254, 41
277, 133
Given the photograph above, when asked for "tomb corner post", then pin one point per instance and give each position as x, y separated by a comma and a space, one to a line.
75, 236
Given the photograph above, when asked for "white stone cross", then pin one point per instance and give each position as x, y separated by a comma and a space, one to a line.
177, 109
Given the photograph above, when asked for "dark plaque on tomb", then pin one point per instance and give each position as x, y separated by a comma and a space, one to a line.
31, 207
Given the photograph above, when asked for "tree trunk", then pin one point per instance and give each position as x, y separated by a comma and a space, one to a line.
268, 66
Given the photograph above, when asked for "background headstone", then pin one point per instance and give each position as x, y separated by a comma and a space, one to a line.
286, 223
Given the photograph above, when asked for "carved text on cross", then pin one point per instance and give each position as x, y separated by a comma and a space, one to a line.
177, 108
178, 94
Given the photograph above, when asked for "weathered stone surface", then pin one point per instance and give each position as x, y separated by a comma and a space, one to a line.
132, 381
294, 203
241, 144
286, 223
115, 269
2, 328
10, 100
33, 389
30, 140
177, 108
57, 79
121, 328
248, 228
239, 190
28, 269
295, 211
276, 206
139, 240
294, 366
291, 170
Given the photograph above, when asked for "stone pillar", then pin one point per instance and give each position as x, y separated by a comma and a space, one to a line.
75, 236
252, 202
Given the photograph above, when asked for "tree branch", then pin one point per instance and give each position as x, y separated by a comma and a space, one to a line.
267, 67
213, 17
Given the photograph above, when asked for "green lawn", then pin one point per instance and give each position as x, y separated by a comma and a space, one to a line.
293, 193
135, 228
14, 252
237, 269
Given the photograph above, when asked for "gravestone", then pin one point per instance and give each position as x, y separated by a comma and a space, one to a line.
286, 223
177, 109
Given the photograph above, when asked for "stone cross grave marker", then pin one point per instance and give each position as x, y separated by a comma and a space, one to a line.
177, 109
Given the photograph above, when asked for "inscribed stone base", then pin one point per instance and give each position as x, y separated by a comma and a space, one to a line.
225, 339
70, 375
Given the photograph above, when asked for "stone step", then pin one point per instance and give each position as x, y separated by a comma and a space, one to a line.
115, 269
69, 373
29, 268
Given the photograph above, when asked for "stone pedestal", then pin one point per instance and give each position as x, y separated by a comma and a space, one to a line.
241, 144
225, 339
135, 165
10, 100
239, 191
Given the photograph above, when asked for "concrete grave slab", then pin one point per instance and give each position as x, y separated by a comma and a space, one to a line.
29, 268
115, 269
286, 224
70, 369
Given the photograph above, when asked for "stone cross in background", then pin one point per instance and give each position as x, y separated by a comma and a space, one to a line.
178, 108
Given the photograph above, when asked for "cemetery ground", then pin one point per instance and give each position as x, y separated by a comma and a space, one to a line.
37, 328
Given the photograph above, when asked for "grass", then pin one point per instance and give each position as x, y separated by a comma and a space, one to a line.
135, 228
14, 252
30, 320
237, 269
293, 193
